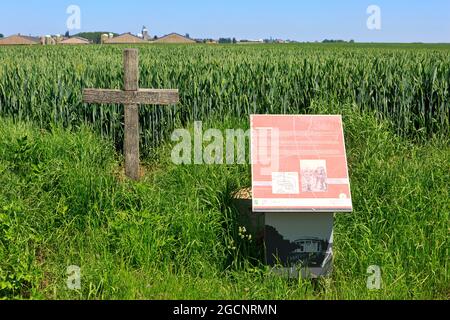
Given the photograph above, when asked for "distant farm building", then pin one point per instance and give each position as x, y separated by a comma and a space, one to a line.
251, 41
49, 40
126, 38
145, 34
107, 38
174, 38
17, 40
75, 41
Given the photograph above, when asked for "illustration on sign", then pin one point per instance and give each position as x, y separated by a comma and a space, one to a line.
314, 175
285, 183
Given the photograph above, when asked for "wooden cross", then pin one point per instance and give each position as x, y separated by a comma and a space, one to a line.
131, 97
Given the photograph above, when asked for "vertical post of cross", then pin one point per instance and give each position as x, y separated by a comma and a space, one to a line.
131, 146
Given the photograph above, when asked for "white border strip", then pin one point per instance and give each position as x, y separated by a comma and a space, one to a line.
262, 184
328, 202
338, 181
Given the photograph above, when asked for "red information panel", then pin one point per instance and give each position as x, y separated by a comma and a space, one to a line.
299, 164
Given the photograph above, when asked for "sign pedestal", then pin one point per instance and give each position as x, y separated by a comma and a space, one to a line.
301, 244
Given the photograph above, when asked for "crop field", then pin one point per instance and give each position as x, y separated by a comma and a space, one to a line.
409, 86
175, 234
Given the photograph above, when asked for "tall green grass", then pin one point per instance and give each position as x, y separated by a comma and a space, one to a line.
169, 236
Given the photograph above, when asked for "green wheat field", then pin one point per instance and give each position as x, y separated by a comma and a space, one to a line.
175, 234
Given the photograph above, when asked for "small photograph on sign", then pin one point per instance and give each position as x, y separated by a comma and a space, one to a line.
314, 175
285, 183
304, 241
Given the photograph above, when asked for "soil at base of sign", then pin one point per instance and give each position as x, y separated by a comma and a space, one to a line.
243, 194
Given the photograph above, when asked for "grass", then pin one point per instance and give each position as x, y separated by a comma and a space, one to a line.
63, 202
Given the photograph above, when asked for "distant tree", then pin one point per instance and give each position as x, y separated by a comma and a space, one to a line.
225, 40
1, 35
333, 41
95, 37
155, 38
67, 34
352, 41
234, 41
187, 36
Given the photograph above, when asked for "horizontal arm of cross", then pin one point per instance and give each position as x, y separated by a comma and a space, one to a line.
141, 96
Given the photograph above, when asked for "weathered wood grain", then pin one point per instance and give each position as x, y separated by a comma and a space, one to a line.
142, 96
131, 85
131, 143
131, 69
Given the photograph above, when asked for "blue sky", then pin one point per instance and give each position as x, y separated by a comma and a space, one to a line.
402, 20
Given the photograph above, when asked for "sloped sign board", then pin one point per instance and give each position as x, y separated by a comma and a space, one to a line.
299, 164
